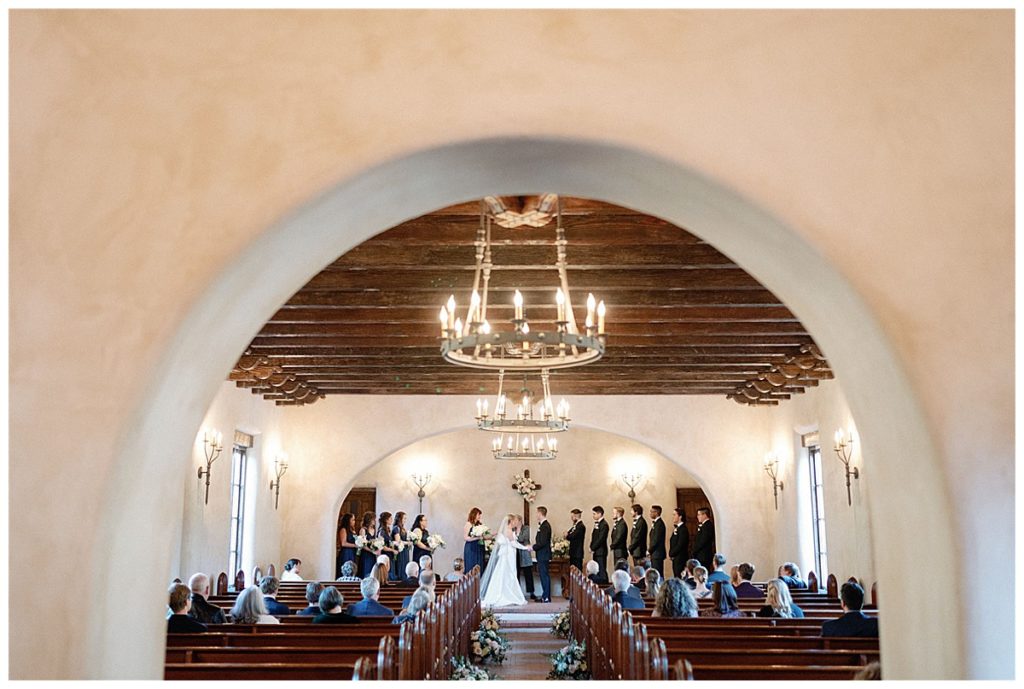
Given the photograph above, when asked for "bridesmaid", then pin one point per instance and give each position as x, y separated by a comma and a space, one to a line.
420, 547
398, 533
473, 551
384, 532
346, 541
367, 558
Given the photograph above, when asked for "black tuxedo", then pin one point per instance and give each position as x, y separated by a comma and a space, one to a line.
542, 546
704, 544
657, 545
599, 545
576, 535
678, 545
620, 550
638, 540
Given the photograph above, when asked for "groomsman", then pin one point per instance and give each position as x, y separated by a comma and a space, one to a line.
638, 537
704, 541
656, 547
620, 550
679, 543
543, 549
599, 541
576, 534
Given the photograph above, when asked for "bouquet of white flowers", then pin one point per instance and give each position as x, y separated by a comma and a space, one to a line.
465, 671
489, 621
415, 534
377, 544
360, 543
398, 545
560, 548
434, 541
560, 625
489, 545
480, 531
487, 646
570, 662
525, 487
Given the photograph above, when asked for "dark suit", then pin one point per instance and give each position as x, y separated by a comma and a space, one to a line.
369, 608
543, 549
748, 590
275, 608
628, 602
599, 579
599, 546
576, 534
638, 540
410, 581
656, 546
183, 624
205, 612
704, 544
854, 623
793, 582
337, 618
678, 545
620, 532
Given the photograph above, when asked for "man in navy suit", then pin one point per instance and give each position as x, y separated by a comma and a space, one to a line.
368, 606
268, 585
543, 549
853, 622
620, 592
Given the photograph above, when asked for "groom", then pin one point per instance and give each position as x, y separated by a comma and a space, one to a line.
543, 549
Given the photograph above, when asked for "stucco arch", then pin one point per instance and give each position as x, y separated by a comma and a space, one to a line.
154, 443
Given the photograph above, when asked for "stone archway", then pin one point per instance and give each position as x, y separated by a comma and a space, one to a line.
889, 415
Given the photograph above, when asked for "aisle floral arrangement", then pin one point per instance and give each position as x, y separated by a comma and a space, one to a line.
489, 621
560, 548
464, 671
570, 662
487, 646
560, 625
525, 487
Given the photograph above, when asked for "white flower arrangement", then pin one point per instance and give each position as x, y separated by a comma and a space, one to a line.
415, 534
465, 671
489, 621
377, 544
525, 487
570, 662
487, 646
435, 541
360, 543
398, 545
480, 531
560, 548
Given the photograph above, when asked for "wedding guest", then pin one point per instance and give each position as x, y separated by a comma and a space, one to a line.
428, 583
367, 557
381, 570
779, 603
369, 606
473, 551
619, 544
179, 600
268, 585
723, 599
656, 546
704, 541
313, 591
638, 536
202, 610
638, 576
745, 589
652, 581
678, 543
426, 564
348, 573
346, 541
576, 534
691, 566
595, 575
734, 576
623, 564
853, 622
419, 601
292, 570
412, 575
249, 608
700, 578
400, 536
718, 572
331, 611
384, 534
621, 595
458, 570
599, 540
419, 546
790, 574
674, 600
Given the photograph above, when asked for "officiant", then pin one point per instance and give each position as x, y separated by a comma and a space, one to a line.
525, 557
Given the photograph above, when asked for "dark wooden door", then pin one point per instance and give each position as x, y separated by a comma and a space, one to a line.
358, 501
690, 499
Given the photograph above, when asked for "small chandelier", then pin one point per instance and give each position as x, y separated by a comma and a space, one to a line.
473, 343
524, 429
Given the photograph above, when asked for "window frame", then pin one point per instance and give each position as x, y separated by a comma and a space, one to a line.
236, 523
815, 470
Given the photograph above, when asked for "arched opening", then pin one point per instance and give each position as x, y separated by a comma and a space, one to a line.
888, 413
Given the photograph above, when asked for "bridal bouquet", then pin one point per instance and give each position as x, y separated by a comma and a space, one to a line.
525, 487
487, 646
434, 541
560, 625
560, 548
570, 662
465, 671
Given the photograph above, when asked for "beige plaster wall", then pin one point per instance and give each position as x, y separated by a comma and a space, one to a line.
149, 151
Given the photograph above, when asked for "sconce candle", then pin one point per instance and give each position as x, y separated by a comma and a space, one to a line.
212, 446
771, 467
844, 450
632, 480
280, 466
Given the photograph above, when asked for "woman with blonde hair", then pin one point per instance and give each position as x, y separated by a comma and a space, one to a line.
674, 600
652, 582
381, 570
734, 576
700, 576
250, 609
779, 603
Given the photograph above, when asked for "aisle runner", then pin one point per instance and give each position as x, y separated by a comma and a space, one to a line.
531, 641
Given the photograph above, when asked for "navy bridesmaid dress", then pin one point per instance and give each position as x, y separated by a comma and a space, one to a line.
418, 552
403, 558
346, 554
473, 555
366, 559
383, 533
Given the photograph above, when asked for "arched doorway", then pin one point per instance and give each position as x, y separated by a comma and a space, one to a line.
889, 415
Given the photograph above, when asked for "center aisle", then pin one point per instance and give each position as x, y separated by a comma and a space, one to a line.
531, 643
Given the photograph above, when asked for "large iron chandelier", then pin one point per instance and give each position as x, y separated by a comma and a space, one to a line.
525, 427
473, 343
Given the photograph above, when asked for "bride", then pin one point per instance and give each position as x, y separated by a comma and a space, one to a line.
500, 583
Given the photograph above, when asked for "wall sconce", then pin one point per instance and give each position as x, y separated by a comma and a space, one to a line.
771, 467
632, 480
211, 448
280, 466
421, 480
844, 450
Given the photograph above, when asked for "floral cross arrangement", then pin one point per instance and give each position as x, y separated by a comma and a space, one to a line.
525, 487
570, 662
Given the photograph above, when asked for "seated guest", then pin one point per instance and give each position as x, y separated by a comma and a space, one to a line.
779, 603
420, 601
700, 577
623, 564
652, 580
382, 571
790, 574
636, 575
674, 600
348, 573
269, 587
734, 576
853, 622
723, 597
202, 610
745, 589
180, 602
718, 572
458, 570
426, 563
621, 586
427, 583
691, 565
369, 606
412, 575
595, 575
249, 608
331, 612
313, 591
292, 570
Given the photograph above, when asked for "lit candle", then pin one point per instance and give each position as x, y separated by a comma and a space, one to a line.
496, 445
839, 438
510, 446
517, 299
591, 305
560, 304
444, 320
526, 344
485, 409
458, 326
554, 444
479, 408
540, 445
600, 318
282, 460
451, 312
474, 308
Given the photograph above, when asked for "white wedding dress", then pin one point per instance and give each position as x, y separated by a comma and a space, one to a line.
500, 583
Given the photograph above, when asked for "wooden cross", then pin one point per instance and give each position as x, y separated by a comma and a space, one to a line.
526, 505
